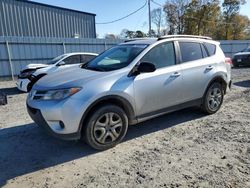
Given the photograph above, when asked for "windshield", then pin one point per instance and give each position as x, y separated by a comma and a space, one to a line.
115, 58
56, 59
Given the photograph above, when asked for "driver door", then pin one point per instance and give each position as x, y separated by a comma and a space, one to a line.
156, 91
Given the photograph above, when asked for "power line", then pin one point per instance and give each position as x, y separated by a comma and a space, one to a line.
157, 4
125, 16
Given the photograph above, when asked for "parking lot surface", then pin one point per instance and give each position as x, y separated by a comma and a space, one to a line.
181, 149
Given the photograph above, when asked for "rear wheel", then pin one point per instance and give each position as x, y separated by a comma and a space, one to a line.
106, 127
213, 98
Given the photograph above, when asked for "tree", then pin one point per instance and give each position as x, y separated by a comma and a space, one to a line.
125, 33
175, 11
240, 26
156, 17
139, 34
110, 36
151, 33
231, 8
201, 16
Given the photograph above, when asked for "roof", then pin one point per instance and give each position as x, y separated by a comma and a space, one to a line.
52, 6
81, 53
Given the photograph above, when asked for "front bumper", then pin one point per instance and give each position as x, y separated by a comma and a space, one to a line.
38, 118
22, 84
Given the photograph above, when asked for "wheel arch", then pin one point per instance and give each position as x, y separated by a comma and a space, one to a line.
111, 99
218, 79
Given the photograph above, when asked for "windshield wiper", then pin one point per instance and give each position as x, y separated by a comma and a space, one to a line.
92, 68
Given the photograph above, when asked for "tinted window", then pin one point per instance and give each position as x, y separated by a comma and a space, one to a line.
211, 48
86, 58
190, 51
162, 55
72, 60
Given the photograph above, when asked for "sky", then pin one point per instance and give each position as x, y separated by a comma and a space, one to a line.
109, 10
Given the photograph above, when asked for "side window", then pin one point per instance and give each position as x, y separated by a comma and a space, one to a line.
190, 51
211, 48
161, 56
86, 58
74, 59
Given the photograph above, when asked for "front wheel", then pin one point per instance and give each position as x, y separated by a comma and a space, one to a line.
213, 98
106, 127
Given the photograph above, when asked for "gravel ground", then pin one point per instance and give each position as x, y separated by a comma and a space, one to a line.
181, 149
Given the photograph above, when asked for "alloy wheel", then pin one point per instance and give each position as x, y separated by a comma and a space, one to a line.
108, 128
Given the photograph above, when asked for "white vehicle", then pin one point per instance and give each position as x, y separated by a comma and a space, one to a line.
33, 72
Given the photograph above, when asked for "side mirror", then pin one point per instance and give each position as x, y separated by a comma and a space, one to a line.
61, 63
145, 67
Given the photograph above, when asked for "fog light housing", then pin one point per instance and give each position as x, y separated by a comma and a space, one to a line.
61, 124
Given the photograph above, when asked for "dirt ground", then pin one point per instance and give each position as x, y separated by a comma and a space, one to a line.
181, 149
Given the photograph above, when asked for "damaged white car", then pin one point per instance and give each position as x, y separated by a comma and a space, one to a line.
33, 72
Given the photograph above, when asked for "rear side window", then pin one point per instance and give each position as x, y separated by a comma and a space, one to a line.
74, 59
162, 55
86, 58
190, 51
211, 48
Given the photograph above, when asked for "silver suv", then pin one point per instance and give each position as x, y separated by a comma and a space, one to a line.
130, 83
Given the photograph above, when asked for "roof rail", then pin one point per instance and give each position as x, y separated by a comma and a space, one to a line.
135, 39
184, 36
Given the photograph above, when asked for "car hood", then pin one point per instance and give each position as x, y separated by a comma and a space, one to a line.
51, 69
242, 53
35, 66
74, 77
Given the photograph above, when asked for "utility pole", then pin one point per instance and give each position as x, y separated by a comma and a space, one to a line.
149, 18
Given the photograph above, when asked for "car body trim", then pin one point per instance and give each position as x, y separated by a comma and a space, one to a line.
150, 115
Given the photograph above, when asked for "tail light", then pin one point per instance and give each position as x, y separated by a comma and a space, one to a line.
228, 60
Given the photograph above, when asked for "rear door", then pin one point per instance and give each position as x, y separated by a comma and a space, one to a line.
162, 88
197, 69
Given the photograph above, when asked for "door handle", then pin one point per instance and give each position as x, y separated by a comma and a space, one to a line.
176, 74
209, 67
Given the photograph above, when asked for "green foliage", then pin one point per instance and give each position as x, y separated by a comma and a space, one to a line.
206, 17
125, 33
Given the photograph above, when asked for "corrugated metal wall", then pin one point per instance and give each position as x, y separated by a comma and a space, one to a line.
20, 18
20, 51
230, 47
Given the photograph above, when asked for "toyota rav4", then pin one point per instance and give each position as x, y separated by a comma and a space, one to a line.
130, 83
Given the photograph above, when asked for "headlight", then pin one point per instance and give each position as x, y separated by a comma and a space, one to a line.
26, 74
56, 94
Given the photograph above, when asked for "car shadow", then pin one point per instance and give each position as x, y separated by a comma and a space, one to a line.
10, 91
26, 148
245, 83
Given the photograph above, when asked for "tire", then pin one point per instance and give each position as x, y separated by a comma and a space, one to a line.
106, 127
236, 66
213, 98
